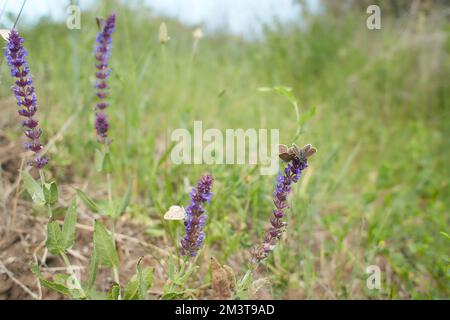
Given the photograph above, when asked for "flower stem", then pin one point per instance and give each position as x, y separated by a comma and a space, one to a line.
75, 278
113, 227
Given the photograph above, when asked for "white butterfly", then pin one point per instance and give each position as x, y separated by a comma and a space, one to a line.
175, 213
5, 33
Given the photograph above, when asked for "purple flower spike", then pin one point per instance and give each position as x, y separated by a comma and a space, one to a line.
291, 174
196, 217
15, 54
102, 54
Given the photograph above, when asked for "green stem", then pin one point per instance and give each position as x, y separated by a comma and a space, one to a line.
113, 227
42, 176
108, 179
297, 116
69, 267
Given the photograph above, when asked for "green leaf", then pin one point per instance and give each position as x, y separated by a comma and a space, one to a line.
107, 164
114, 293
138, 285
69, 226
102, 161
50, 193
173, 296
104, 246
142, 287
98, 161
87, 201
33, 188
93, 268
55, 286
55, 240
125, 200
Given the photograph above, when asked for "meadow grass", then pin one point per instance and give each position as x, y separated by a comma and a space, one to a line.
377, 192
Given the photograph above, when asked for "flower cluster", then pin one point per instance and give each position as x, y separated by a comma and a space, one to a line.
102, 54
196, 217
291, 174
24, 92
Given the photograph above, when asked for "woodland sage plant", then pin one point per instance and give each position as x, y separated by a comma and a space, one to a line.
61, 235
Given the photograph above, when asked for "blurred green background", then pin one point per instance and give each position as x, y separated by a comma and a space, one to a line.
377, 191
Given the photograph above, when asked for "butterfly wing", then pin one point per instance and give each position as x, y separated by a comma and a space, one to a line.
175, 213
283, 152
294, 151
100, 22
5, 33
307, 151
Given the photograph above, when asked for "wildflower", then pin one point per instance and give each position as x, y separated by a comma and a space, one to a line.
24, 92
196, 217
291, 174
102, 54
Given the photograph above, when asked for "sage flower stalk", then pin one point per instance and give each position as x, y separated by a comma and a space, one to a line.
196, 217
102, 54
25, 95
296, 163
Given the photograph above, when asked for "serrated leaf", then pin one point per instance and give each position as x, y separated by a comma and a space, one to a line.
125, 200
138, 285
55, 240
104, 246
33, 188
69, 226
50, 193
87, 201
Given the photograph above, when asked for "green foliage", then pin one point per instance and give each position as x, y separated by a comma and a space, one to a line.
33, 188
87, 201
55, 240
69, 226
137, 287
93, 269
104, 246
376, 105
50, 191
103, 161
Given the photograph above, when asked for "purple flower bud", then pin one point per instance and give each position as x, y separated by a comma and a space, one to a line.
101, 124
291, 174
23, 90
102, 54
195, 217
